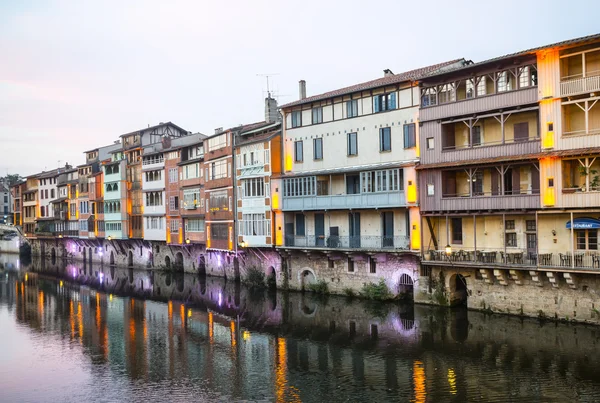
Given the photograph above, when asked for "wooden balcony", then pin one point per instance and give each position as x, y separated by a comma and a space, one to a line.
577, 86
509, 202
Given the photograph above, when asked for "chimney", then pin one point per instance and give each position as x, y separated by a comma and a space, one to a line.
271, 113
218, 130
387, 73
302, 85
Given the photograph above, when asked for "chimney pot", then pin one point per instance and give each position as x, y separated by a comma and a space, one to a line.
218, 130
302, 89
387, 73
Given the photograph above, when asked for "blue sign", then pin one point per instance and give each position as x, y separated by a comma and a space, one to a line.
584, 223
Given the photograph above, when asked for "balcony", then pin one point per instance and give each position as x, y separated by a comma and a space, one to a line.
346, 201
152, 163
579, 86
362, 242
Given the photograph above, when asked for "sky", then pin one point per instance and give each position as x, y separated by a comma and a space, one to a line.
75, 75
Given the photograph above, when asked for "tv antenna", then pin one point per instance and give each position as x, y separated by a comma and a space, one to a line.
267, 75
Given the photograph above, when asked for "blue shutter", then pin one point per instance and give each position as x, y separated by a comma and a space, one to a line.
376, 103
392, 99
406, 136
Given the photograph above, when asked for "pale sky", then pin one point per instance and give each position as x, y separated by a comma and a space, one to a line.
74, 75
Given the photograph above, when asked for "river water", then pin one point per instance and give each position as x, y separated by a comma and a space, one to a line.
73, 333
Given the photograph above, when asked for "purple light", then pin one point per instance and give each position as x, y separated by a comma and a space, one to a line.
101, 276
74, 272
219, 260
220, 298
73, 249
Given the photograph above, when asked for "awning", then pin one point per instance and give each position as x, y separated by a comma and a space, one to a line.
584, 223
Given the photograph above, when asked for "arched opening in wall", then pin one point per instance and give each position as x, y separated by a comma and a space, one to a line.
112, 272
130, 259
53, 256
179, 261
202, 285
405, 287
307, 278
271, 278
90, 255
130, 275
458, 290
112, 258
84, 255
167, 262
179, 281
202, 265
236, 270
168, 279
150, 262
407, 316
459, 324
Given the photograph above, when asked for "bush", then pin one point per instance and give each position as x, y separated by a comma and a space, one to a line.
319, 287
255, 278
349, 292
378, 292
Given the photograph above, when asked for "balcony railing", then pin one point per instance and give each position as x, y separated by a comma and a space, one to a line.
514, 258
347, 201
377, 242
580, 85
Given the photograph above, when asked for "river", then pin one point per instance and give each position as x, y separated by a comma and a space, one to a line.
73, 333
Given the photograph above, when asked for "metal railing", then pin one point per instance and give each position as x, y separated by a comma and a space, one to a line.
348, 242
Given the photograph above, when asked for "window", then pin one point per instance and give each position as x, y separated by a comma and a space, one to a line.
191, 198
153, 176
477, 135
352, 144
350, 265
530, 225
173, 203
511, 239
217, 142
154, 223
372, 265
154, 199
306, 186
430, 189
218, 169
330, 263
52, 195
587, 239
298, 151
317, 115
509, 224
352, 108
457, 230
254, 187
173, 175
194, 225
83, 225
255, 225
385, 139
385, 180
428, 97
219, 231
430, 143
191, 171
219, 201
384, 102
296, 118
174, 226
113, 226
300, 230
410, 138
318, 149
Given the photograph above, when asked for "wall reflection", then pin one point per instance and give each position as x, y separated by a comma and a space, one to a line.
151, 327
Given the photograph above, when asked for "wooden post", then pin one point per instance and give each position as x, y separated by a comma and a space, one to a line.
504, 236
572, 242
475, 236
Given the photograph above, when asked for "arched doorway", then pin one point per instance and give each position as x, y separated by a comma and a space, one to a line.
405, 287
271, 278
458, 290
202, 265
307, 277
53, 256
179, 261
112, 258
150, 262
167, 262
130, 259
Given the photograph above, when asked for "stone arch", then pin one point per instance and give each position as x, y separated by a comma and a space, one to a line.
179, 261
271, 278
167, 262
457, 289
112, 259
112, 273
306, 276
405, 287
130, 259
307, 307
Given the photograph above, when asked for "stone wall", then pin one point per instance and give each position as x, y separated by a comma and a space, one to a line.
553, 295
304, 269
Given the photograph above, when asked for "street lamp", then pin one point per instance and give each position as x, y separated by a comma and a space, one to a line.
109, 238
60, 235
187, 241
242, 244
448, 250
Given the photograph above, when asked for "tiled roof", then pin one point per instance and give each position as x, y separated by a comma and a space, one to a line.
566, 43
380, 82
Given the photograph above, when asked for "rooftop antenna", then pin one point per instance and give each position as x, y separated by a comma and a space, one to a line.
267, 75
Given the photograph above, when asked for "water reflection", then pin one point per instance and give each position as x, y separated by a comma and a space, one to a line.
141, 335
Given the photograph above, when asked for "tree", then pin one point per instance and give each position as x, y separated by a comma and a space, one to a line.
13, 178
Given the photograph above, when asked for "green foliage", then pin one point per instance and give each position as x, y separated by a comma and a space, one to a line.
439, 293
376, 291
13, 178
271, 282
255, 278
378, 309
349, 292
320, 287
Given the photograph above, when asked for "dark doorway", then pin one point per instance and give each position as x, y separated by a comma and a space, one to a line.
320, 229
289, 234
354, 229
130, 259
387, 229
405, 287
179, 261
112, 258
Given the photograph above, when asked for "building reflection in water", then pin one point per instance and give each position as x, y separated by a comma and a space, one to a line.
225, 341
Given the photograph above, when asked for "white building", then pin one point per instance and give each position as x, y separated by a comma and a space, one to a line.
5, 202
349, 181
